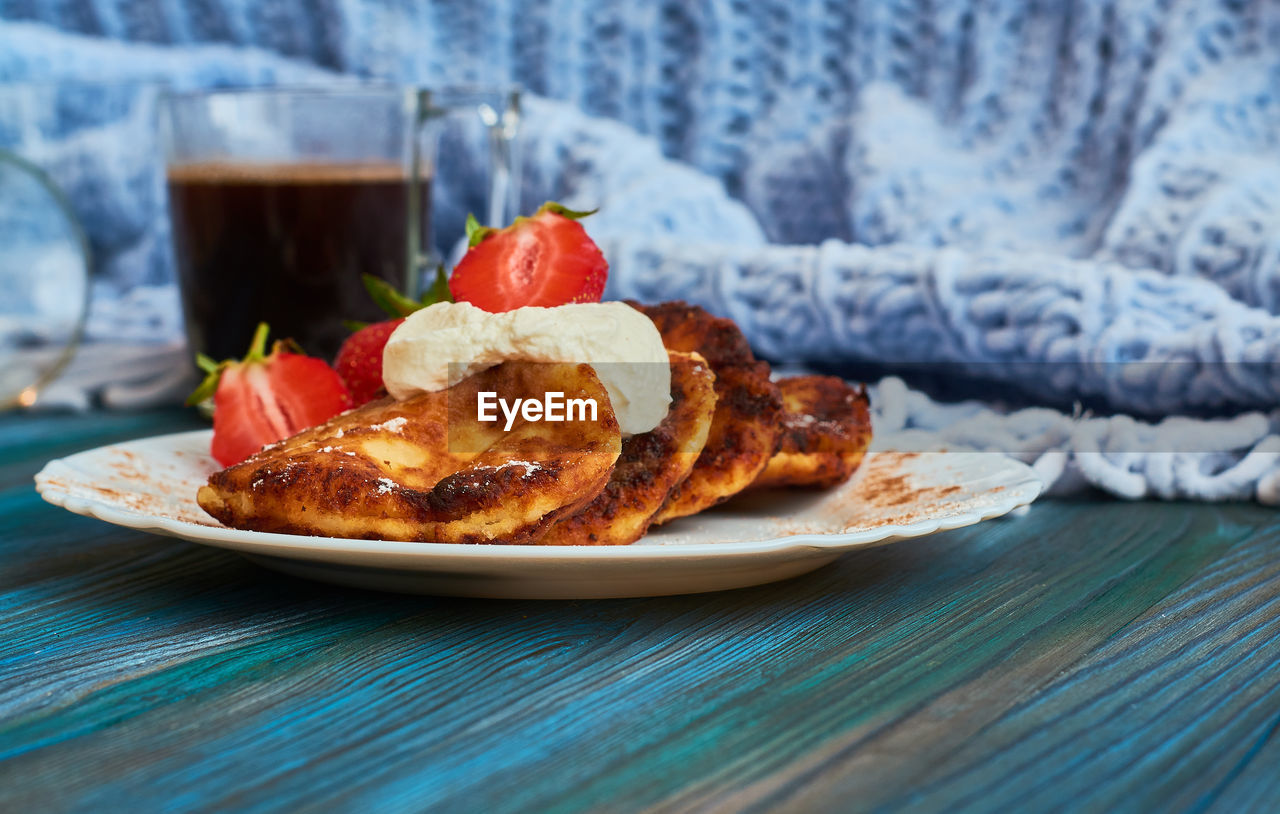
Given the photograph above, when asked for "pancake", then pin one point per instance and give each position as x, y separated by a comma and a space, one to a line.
425, 469
746, 424
650, 466
826, 428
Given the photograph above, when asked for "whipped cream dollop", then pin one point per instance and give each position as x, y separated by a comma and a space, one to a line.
443, 344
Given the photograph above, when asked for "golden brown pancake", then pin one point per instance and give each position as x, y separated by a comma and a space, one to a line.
425, 469
825, 433
745, 428
650, 466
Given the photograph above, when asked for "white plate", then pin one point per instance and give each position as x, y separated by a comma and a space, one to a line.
759, 537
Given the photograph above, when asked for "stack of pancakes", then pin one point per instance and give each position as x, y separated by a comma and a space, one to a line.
425, 469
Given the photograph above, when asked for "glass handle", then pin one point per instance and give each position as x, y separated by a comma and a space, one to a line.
419, 251
498, 111
504, 158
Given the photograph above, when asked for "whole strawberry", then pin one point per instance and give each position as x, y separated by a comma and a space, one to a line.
359, 360
264, 398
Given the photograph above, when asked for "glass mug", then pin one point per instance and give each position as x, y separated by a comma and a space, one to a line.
280, 199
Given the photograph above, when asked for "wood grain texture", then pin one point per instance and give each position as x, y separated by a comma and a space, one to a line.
1091, 655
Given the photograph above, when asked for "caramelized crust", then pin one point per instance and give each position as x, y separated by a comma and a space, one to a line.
427, 470
689, 329
650, 466
745, 428
825, 433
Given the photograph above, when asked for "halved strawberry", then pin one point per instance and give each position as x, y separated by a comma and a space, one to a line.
359, 361
546, 259
264, 398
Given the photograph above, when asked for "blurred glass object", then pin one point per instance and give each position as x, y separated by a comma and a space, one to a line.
456, 113
44, 281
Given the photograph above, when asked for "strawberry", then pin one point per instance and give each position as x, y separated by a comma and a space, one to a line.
359, 361
264, 398
545, 259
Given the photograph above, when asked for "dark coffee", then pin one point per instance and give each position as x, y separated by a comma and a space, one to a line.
286, 244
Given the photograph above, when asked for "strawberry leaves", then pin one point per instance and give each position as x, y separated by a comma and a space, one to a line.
213, 370
564, 211
438, 291
396, 304
475, 232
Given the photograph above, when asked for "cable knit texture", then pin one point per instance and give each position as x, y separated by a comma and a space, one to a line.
1073, 203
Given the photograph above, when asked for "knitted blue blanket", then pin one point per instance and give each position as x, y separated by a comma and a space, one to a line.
1072, 205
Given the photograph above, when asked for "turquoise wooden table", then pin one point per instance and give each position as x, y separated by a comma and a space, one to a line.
1091, 655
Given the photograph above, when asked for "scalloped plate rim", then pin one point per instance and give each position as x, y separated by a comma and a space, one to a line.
1019, 492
